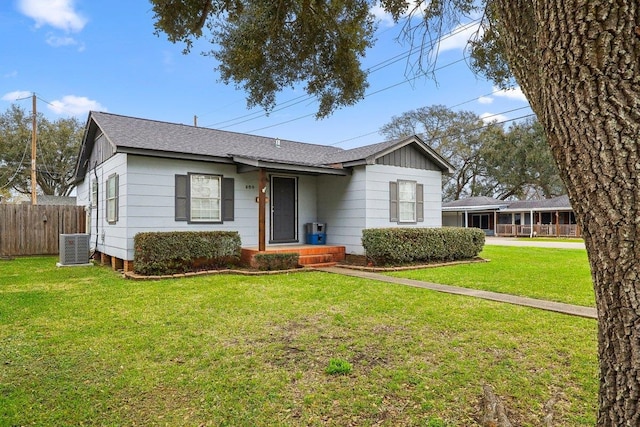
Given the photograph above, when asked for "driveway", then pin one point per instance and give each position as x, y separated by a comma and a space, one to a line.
510, 241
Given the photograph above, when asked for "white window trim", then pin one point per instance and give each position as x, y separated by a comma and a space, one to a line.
404, 202
215, 200
112, 199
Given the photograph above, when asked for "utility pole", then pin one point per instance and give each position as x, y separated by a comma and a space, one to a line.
34, 197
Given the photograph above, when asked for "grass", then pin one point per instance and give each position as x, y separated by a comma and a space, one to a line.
561, 275
82, 346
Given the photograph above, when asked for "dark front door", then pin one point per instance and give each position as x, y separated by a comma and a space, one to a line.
283, 209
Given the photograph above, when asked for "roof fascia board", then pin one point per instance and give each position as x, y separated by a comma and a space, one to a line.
471, 208
249, 165
173, 155
537, 209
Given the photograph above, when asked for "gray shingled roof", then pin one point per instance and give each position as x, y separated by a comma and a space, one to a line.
472, 202
135, 135
143, 134
560, 202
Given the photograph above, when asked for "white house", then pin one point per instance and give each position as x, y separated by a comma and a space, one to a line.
137, 175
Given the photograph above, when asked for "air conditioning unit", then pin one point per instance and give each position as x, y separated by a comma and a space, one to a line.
74, 249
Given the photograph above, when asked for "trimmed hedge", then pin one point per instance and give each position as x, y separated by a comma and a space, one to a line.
397, 246
159, 253
276, 261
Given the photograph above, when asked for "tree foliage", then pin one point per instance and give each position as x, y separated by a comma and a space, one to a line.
489, 161
57, 146
265, 46
519, 163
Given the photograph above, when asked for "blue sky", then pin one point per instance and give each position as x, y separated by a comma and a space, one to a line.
87, 55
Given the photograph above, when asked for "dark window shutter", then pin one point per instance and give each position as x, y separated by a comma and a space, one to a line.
420, 202
227, 199
182, 197
393, 201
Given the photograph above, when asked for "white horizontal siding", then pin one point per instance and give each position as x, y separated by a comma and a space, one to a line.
151, 198
111, 238
348, 204
341, 204
378, 178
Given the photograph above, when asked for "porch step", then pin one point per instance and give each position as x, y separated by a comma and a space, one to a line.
309, 255
316, 259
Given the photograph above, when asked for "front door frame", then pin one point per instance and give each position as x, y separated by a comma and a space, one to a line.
293, 237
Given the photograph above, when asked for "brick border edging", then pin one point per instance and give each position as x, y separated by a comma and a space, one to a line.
411, 267
133, 276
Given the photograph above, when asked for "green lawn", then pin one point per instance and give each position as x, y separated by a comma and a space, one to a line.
82, 346
561, 275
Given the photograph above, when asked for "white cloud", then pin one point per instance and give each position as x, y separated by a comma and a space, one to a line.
55, 41
382, 16
514, 94
59, 14
459, 37
491, 117
15, 95
485, 100
75, 105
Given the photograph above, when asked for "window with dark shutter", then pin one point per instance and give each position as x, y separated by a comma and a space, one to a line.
112, 199
183, 194
228, 199
420, 202
393, 201
182, 198
406, 202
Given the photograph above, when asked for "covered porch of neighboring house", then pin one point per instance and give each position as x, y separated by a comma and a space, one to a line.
526, 218
538, 223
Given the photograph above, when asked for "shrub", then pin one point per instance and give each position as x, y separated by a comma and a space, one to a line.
182, 251
397, 246
276, 261
338, 367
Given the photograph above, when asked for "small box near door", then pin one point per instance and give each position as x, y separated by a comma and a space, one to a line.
315, 233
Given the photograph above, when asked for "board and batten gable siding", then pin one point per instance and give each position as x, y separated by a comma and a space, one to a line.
408, 157
152, 198
102, 151
341, 205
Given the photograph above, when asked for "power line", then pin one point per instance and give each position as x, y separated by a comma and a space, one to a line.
20, 165
374, 68
469, 130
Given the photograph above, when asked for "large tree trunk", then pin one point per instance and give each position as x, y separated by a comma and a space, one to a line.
578, 62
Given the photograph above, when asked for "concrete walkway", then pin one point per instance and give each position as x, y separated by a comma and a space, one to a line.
512, 241
558, 307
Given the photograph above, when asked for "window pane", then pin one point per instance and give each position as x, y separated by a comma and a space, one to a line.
205, 198
111, 210
406, 201
407, 212
407, 191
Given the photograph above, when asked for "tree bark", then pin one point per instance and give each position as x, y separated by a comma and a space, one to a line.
578, 62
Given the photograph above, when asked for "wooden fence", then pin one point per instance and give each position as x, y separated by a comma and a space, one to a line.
35, 230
